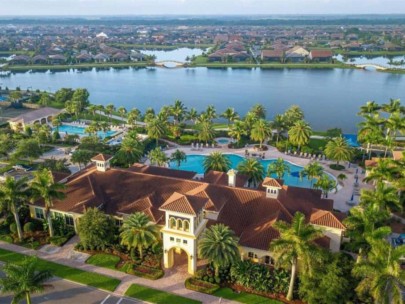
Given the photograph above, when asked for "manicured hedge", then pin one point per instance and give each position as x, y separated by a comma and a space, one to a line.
201, 286
146, 272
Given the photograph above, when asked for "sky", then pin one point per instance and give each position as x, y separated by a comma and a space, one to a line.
198, 7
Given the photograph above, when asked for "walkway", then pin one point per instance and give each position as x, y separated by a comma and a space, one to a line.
172, 281
344, 193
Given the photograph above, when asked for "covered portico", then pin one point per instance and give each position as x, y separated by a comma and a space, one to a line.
41, 116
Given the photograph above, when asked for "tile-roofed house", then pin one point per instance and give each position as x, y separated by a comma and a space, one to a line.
183, 207
321, 55
272, 55
41, 116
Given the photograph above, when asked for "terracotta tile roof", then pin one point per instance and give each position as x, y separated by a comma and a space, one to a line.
271, 182
101, 157
58, 176
327, 218
321, 53
273, 53
182, 203
221, 178
162, 171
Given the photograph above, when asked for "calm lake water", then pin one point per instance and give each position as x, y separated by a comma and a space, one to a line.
179, 54
330, 98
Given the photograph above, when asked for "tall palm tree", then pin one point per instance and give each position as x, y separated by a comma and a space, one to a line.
279, 168
312, 170
133, 116
393, 106
296, 246
192, 115
216, 161
383, 198
371, 108
381, 274
56, 122
100, 109
230, 115
139, 232
92, 109
292, 114
149, 115
122, 111
156, 129
370, 132
237, 130
259, 110
24, 278
13, 193
253, 169
44, 187
339, 150
219, 246
260, 131
300, 133
250, 120
178, 110
363, 225
158, 157
178, 157
109, 109
279, 125
384, 170
210, 112
326, 184
131, 151
205, 131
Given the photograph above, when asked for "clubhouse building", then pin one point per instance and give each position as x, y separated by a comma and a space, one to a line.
184, 206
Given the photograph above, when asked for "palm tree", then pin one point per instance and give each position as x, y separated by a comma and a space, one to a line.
109, 109
56, 122
178, 156
381, 274
210, 112
92, 109
13, 193
260, 131
249, 120
279, 167
24, 278
205, 131
326, 184
383, 198
253, 169
139, 232
293, 114
338, 149
44, 187
279, 125
149, 115
370, 131
156, 128
296, 246
259, 111
131, 151
394, 106
230, 115
312, 170
100, 109
192, 115
158, 157
133, 116
300, 133
216, 161
122, 112
385, 170
178, 111
371, 108
237, 130
219, 246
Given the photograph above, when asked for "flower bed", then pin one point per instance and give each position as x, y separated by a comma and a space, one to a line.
201, 286
146, 272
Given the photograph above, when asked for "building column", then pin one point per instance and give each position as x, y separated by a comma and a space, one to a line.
168, 258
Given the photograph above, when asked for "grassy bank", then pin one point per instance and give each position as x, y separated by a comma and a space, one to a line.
156, 296
276, 65
66, 272
73, 66
160, 47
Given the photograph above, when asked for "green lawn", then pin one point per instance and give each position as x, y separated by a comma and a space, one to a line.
66, 272
156, 296
244, 297
104, 260
317, 143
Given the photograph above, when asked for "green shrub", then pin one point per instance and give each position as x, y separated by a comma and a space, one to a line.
146, 272
6, 238
13, 228
29, 227
60, 240
337, 167
201, 286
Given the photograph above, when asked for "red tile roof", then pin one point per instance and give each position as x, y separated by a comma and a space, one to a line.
321, 54
101, 157
271, 182
182, 203
327, 218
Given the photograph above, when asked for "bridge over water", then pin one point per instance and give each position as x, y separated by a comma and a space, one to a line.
170, 64
376, 66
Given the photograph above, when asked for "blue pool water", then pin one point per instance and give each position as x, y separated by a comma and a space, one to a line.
223, 141
2, 98
351, 140
80, 131
195, 163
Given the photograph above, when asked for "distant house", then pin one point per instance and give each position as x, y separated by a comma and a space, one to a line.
57, 59
39, 59
120, 57
40, 116
136, 56
102, 36
296, 54
20, 59
353, 46
321, 55
272, 55
84, 57
101, 57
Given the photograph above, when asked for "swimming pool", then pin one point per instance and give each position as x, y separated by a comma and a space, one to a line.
2, 98
66, 129
195, 163
223, 140
351, 140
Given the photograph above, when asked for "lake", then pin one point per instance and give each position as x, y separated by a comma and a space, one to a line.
330, 98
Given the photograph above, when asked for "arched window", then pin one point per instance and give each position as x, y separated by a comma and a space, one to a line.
179, 224
186, 224
172, 223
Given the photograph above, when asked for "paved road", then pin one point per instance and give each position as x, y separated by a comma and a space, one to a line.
65, 292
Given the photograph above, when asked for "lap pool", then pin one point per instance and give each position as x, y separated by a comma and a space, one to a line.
66, 129
195, 163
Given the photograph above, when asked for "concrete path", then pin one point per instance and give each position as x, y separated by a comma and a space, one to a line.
173, 281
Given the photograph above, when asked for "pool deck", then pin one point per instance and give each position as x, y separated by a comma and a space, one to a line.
340, 198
